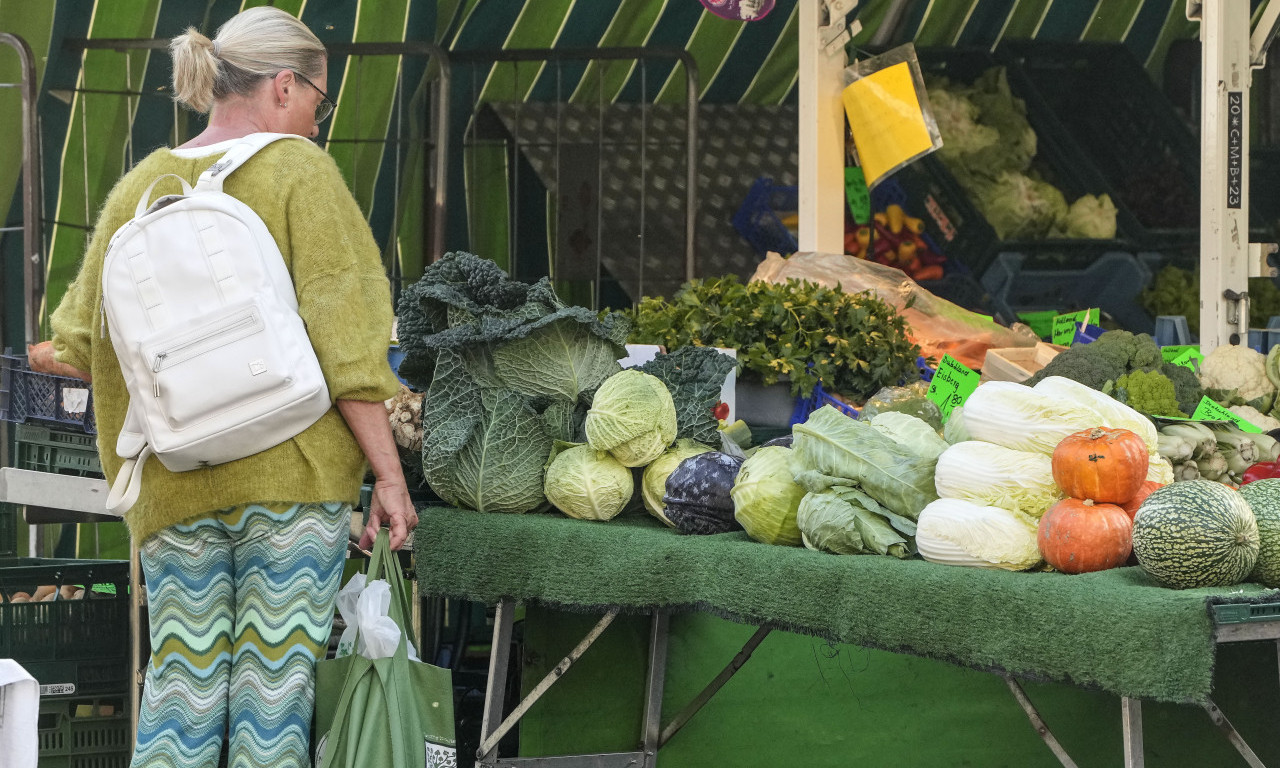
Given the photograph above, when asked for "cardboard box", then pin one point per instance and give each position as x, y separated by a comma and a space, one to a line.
1018, 363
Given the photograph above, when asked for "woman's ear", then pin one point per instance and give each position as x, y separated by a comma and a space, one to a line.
281, 85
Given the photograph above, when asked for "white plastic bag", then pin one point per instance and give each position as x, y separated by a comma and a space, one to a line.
365, 607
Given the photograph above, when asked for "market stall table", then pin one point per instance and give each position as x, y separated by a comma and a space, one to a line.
1115, 631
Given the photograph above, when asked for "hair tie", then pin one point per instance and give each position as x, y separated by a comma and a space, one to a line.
217, 48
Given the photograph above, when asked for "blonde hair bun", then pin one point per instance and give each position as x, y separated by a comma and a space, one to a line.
250, 47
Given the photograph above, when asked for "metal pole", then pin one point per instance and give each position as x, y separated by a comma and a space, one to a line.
1038, 722
1233, 736
32, 252
497, 683
491, 737
686, 714
1131, 722
691, 169
654, 687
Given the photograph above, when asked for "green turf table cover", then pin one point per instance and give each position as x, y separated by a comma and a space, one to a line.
1116, 630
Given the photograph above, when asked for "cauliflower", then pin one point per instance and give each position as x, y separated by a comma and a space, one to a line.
1256, 418
1235, 367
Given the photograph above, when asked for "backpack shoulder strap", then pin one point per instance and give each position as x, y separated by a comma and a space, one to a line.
211, 180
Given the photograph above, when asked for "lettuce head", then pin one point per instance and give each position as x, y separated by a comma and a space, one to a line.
633, 417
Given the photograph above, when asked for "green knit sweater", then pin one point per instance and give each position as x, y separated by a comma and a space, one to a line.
343, 297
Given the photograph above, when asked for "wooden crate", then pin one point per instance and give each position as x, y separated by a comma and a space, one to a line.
1018, 363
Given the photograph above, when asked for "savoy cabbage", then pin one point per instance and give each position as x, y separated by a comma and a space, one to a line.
507, 368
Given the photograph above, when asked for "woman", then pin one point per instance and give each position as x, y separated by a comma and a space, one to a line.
242, 560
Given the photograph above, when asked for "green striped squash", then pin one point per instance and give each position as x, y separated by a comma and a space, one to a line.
1196, 533
1263, 497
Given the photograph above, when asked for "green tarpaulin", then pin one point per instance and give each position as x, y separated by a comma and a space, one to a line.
1116, 631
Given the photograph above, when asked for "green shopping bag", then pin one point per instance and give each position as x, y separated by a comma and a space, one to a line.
392, 712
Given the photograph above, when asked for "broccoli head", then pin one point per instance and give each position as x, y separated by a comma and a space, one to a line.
1149, 392
1085, 364
1186, 386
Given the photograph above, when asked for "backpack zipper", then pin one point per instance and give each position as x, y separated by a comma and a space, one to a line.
157, 363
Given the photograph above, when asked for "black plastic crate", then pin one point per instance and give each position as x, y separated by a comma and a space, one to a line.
961, 232
1128, 128
61, 451
30, 396
1113, 282
8, 530
73, 647
84, 732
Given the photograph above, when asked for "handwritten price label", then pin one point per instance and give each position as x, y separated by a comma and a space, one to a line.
1064, 326
1208, 410
952, 384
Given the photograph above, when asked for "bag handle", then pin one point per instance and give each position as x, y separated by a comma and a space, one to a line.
384, 564
127, 486
143, 203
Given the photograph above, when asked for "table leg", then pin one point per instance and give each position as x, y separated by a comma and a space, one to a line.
654, 688
497, 684
1131, 721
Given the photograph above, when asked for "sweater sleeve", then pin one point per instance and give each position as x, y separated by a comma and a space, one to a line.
343, 293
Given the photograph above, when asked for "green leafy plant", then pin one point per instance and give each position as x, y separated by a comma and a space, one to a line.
853, 343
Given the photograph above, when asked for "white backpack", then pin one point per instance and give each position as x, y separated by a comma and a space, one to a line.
204, 320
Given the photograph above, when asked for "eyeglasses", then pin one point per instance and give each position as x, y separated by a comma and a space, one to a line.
325, 107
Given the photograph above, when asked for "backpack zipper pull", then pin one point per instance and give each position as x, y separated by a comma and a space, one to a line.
155, 380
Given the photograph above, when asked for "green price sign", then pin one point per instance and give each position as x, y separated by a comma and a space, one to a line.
856, 194
1041, 323
952, 384
1190, 357
1208, 410
1064, 326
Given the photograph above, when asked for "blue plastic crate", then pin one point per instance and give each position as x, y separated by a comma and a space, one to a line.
819, 398
30, 396
758, 219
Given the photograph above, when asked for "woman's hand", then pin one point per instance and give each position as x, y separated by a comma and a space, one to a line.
40, 359
390, 505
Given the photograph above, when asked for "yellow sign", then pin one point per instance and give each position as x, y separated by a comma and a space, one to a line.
885, 119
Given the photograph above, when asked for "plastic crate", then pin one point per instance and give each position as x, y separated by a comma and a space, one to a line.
931, 192
1112, 282
8, 530
758, 219
1129, 130
63, 452
72, 647
29, 396
76, 733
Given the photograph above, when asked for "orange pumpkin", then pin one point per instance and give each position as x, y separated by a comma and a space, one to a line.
1144, 490
1103, 464
1079, 536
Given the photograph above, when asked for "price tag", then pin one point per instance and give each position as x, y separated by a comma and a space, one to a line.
1208, 410
952, 384
1041, 323
1064, 326
856, 194
1190, 358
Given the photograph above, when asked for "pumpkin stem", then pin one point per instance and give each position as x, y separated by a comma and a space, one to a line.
1088, 502
1096, 433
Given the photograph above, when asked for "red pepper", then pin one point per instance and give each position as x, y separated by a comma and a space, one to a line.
1261, 471
721, 411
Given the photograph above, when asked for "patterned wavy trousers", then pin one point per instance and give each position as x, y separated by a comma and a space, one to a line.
241, 605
